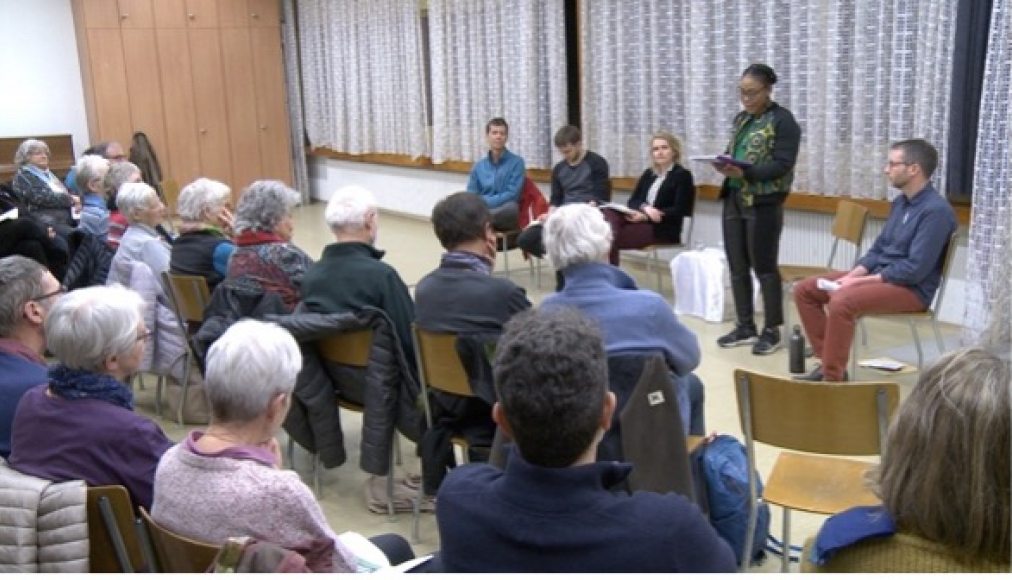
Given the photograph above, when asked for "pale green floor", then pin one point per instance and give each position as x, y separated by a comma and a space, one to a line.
414, 251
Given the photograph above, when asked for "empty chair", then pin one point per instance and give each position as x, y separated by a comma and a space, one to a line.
189, 297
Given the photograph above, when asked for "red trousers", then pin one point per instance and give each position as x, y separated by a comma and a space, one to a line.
829, 317
627, 235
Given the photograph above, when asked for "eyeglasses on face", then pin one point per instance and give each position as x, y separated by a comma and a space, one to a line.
61, 290
750, 93
891, 164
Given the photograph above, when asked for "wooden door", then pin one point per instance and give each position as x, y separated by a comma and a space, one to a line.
180, 117
136, 14
233, 14
209, 99
266, 13
272, 110
100, 13
144, 86
170, 13
201, 14
240, 88
109, 82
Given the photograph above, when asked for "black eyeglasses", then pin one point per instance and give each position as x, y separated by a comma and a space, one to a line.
61, 290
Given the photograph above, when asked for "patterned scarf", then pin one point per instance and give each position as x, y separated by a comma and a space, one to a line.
467, 261
76, 384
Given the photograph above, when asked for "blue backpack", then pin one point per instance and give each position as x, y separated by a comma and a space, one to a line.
724, 465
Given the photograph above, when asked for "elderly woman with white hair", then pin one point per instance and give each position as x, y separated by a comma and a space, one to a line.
578, 239
227, 480
203, 246
40, 190
81, 425
265, 259
90, 179
118, 174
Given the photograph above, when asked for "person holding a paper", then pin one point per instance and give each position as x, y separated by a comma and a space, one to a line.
664, 194
764, 144
900, 273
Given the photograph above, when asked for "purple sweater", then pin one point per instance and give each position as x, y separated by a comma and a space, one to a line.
101, 443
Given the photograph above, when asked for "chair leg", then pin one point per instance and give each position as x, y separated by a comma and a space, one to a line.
158, 395
785, 561
391, 513
917, 343
506, 255
753, 519
186, 386
316, 476
397, 450
655, 260
938, 337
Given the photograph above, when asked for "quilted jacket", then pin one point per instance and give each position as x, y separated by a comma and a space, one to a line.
89, 263
43, 525
389, 388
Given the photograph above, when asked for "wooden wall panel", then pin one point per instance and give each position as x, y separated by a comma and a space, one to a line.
136, 14
272, 111
180, 117
108, 71
170, 13
264, 13
201, 13
209, 98
100, 13
233, 14
240, 89
144, 85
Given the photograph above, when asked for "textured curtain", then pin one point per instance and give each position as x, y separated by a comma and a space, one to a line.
494, 58
856, 74
989, 267
290, 44
363, 75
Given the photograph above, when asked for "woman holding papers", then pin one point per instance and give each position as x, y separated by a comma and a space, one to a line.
764, 145
663, 196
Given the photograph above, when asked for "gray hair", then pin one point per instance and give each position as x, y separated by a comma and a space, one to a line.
349, 208
575, 234
26, 148
87, 326
118, 174
201, 198
89, 168
20, 280
263, 205
134, 197
248, 366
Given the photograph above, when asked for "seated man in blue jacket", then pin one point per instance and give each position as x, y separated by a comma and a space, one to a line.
499, 177
551, 509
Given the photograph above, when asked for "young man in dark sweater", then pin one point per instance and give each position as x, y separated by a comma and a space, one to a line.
552, 510
581, 177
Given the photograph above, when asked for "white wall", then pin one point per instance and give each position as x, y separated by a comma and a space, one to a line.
41, 90
416, 191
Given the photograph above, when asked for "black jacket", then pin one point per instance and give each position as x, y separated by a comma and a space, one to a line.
389, 389
675, 199
90, 259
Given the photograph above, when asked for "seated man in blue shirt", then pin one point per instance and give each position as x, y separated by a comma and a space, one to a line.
499, 177
552, 510
27, 292
901, 271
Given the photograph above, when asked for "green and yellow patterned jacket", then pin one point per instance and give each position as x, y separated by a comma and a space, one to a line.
770, 142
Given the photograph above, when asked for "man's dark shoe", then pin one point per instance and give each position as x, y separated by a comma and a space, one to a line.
768, 343
816, 376
740, 335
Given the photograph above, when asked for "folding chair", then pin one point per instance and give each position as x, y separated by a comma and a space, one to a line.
815, 418
189, 296
912, 318
114, 542
177, 553
653, 250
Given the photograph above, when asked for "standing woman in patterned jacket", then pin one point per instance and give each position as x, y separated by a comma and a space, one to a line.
766, 138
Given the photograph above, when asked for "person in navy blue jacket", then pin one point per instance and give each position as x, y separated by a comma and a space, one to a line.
552, 509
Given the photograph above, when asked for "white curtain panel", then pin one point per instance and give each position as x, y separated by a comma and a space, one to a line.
363, 75
497, 58
989, 266
290, 44
857, 75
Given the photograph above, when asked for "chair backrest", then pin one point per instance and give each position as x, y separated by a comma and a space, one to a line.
347, 348
439, 365
189, 295
947, 260
848, 224
176, 553
112, 536
839, 419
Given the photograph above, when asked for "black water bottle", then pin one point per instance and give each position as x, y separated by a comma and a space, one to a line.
797, 351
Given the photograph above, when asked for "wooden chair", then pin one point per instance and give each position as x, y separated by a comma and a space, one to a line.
189, 296
440, 369
912, 318
653, 251
114, 544
176, 553
848, 225
815, 418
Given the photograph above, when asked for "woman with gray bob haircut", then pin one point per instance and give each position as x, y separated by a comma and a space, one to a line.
265, 260
81, 425
227, 480
576, 234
